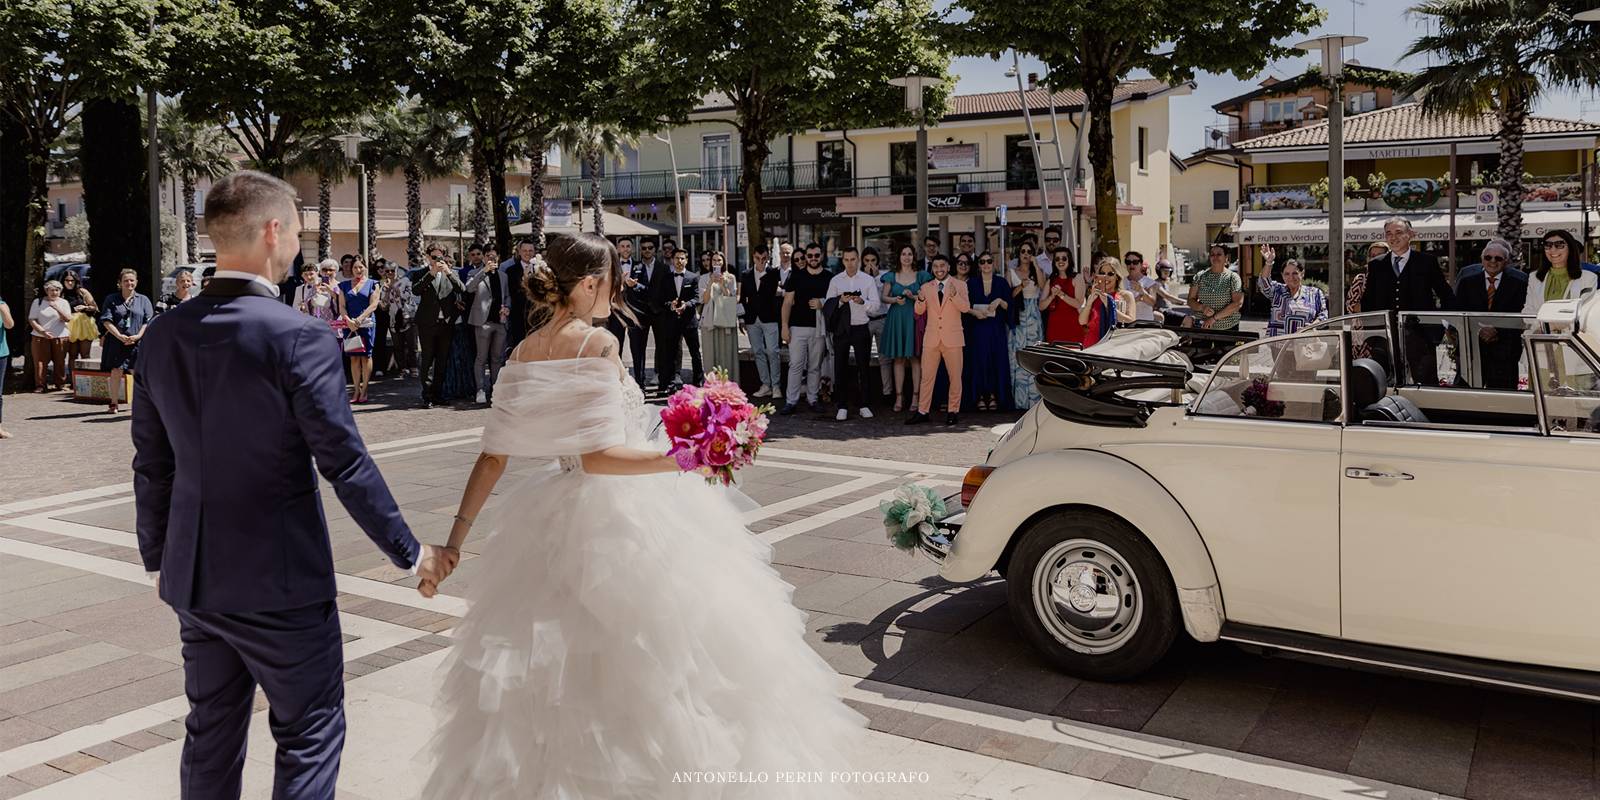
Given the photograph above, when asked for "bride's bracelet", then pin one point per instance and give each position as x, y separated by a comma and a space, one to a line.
466, 520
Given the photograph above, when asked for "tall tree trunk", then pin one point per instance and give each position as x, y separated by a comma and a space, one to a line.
369, 248
192, 236
754, 144
14, 222
324, 216
537, 149
480, 197
413, 175
115, 194
592, 155
495, 164
1513, 115
1102, 157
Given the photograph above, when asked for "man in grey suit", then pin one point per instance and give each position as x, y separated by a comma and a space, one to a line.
488, 310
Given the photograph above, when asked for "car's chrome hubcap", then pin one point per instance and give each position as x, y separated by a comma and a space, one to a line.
1087, 596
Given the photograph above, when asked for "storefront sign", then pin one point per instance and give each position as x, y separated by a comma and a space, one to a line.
816, 212
953, 156
702, 208
950, 201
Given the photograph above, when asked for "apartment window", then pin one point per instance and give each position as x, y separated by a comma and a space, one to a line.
1019, 162
1183, 213
832, 171
716, 153
1144, 149
199, 203
1287, 109
1362, 102
902, 167
61, 212
1219, 200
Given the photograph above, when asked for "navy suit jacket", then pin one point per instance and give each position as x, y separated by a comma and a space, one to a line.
235, 395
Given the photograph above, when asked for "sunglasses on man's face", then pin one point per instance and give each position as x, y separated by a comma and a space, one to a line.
1487, 259
813, 256
1132, 262
1052, 240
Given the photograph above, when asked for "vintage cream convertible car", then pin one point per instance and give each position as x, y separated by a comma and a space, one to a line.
1305, 494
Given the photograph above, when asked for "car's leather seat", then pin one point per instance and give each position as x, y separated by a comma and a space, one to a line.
1369, 394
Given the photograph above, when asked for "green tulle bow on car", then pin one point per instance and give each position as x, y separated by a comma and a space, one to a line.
914, 508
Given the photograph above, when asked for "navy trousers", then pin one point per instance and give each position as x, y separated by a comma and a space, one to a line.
297, 657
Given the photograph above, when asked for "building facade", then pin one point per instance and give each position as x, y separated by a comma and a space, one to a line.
1205, 197
840, 188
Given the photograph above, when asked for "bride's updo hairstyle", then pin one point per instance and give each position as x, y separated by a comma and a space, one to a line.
565, 263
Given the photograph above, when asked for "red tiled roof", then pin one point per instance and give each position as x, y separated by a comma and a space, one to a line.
1407, 123
988, 104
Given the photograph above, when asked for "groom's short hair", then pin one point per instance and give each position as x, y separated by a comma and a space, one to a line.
239, 204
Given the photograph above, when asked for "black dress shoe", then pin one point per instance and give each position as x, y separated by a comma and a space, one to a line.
951, 419
427, 404
917, 418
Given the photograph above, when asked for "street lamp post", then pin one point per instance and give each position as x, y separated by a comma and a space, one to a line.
1033, 140
677, 190
914, 84
352, 152
1331, 47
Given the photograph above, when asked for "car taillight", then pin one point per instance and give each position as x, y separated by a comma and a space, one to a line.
973, 482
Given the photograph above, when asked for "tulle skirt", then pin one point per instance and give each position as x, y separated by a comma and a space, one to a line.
625, 632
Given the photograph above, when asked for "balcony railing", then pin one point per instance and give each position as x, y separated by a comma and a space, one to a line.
803, 176
954, 182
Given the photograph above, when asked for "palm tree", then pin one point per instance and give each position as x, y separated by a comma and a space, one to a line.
420, 143
1499, 56
591, 142
322, 152
193, 151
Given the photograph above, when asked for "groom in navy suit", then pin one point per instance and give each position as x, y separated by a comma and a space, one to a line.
237, 396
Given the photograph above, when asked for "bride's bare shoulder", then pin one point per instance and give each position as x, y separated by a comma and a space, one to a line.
572, 341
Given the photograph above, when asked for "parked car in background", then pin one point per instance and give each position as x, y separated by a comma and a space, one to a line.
1305, 496
55, 271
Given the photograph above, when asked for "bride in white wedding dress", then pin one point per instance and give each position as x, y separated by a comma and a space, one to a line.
626, 633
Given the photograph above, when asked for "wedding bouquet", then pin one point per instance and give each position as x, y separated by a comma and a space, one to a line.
913, 509
714, 428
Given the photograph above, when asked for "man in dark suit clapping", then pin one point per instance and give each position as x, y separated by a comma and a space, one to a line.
1496, 288
675, 301
637, 276
1405, 280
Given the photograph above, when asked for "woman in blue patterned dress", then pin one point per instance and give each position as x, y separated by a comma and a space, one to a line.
900, 288
359, 299
1294, 304
987, 369
1027, 327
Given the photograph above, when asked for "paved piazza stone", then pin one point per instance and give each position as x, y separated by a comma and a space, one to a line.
91, 689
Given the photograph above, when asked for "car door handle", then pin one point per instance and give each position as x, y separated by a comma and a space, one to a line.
1361, 473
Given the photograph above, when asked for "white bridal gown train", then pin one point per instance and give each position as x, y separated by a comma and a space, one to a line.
624, 631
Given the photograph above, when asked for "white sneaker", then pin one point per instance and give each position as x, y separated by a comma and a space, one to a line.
866, 413
482, 398
764, 391
842, 415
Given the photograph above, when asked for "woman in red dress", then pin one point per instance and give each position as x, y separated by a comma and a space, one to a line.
1062, 300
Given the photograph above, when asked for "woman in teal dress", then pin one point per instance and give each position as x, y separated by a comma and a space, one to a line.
899, 292
1027, 327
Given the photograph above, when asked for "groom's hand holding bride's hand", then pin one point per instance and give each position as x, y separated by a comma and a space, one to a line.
435, 564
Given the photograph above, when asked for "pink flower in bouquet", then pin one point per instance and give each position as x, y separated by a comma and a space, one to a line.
682, 420
721, 390
719, 447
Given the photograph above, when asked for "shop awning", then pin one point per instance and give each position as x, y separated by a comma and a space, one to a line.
1363, 227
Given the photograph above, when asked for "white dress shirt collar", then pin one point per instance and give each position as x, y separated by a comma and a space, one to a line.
241, 275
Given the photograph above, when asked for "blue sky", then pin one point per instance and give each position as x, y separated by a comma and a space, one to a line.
1384, 22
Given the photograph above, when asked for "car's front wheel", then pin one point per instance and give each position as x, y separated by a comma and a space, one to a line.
1093, 595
